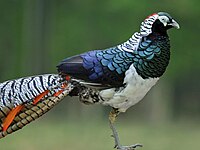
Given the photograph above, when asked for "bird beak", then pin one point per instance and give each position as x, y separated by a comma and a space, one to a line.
174, 24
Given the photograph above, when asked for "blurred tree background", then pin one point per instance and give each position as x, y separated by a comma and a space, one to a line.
36, 34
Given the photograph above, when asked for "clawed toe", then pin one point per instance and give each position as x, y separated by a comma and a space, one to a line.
131, 147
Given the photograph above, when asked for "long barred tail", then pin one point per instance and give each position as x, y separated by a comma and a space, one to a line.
24, 92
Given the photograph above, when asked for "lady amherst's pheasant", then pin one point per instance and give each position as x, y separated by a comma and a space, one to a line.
118, 77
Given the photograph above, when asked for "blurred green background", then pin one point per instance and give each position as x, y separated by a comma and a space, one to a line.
36, 34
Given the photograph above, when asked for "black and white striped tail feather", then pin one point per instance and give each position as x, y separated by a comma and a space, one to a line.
31, 112
23, 91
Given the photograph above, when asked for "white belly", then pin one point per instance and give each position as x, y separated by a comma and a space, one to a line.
135, 89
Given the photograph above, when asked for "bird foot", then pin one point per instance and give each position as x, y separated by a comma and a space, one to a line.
113, 114
130, 147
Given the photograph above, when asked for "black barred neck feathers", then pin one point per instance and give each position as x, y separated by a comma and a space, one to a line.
145, 29
151, 47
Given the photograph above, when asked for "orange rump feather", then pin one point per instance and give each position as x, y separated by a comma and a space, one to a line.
64, 85
40, 96
11, 115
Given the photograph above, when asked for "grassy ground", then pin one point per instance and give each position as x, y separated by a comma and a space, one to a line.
93, 135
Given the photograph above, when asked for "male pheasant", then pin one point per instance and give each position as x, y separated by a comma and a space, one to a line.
118, 77
122, 75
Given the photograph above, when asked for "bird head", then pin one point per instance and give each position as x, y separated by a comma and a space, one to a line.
167, 21
158, 22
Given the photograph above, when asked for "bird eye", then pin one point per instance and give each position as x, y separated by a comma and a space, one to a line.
164, 19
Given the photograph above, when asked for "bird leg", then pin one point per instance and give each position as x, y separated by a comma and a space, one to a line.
112, 117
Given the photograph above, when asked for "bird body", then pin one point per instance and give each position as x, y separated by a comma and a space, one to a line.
124, 73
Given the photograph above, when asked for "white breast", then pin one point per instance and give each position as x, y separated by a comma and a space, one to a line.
135, 89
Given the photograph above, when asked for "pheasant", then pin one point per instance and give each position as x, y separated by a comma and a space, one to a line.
119, 77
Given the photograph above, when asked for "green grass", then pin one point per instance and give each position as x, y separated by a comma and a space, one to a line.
93, 135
